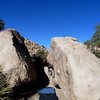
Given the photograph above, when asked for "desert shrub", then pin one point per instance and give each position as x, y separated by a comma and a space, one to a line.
41, 54
94, 43
2, 24
4, 88
96, 52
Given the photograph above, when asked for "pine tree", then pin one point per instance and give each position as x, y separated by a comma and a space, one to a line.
94, 43
2, 24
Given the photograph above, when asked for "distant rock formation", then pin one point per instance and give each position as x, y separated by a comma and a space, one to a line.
34, 47
15, 59
76, 69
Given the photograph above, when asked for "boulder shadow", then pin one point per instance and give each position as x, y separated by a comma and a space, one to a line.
42, 80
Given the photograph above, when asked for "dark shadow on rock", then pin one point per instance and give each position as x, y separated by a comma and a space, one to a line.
42, 79
25, 90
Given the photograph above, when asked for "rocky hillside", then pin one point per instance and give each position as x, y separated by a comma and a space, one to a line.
34, 47
26, 67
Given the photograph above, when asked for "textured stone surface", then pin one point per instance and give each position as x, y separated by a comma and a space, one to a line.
15, 59
34, 47
77, 70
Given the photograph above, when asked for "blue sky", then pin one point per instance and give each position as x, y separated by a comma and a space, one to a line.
40, 20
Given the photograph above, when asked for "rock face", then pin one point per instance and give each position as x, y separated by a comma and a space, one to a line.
77, 70
39, 58
14, 58
34, 47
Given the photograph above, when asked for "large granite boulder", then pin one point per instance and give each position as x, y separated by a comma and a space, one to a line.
77, 70
15, 60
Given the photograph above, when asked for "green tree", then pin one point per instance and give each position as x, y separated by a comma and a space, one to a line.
98, 28
42, 54
96, 37
88, 43
2, 24
94, 43
5, 90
